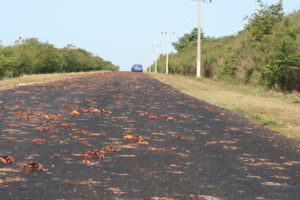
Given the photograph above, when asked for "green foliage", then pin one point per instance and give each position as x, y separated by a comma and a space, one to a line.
186, 39
266, 53
31, 56
228, 70
262, 22
2, 69
283, 58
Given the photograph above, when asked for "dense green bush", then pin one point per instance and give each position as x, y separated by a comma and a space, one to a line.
31, 56
265, 53
263, 21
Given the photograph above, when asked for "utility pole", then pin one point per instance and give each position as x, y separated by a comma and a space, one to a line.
148, 60
198, 71
156, 47
155, 69
167, 43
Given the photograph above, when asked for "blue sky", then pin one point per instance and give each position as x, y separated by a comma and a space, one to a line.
121, 31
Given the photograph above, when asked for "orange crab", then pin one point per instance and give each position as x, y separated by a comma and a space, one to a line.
6, 160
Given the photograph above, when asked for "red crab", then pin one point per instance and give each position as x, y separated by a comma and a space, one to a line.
184, 116
6, 160
66, 125
81, 155
38, 140
151, 116
137, 139
143, 114
3, 184
27, 118
207, 107
34, 167
84, 110
179, 137
45, 128
107, 112
108, 149
60, 117
96, 111
171, 119
97, 153
171, 106
49, 117
86, 161
64, 106
164, 116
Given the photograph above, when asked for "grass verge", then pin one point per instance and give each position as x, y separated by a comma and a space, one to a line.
275, 110
40, 78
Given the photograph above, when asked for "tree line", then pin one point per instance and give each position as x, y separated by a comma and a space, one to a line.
30, 56
265, 53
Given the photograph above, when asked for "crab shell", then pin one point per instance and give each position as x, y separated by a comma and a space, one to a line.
108, 149
179, 137
37, 140
137, 139
6, 159
4, 184
97, 153
34, 166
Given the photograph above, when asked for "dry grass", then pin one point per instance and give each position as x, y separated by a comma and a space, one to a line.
40, 78
277, 111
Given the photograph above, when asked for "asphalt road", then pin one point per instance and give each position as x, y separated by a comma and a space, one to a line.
128, 136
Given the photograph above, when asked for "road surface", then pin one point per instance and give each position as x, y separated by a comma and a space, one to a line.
128, 136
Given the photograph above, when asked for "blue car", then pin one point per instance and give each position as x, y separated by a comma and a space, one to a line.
137, 68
